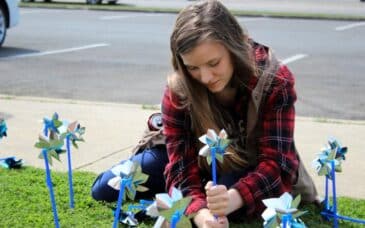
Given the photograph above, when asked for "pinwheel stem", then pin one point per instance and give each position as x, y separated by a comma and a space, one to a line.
286, 220
214, 165
50, 187
334, 199
175, 219
326, 201
68, 148
119, 203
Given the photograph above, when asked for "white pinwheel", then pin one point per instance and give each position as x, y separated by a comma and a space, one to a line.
280, 209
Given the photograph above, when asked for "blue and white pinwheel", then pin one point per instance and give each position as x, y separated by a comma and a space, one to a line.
170, 208
52, 124
3, 128
219, 143
333, 152
282, 212
131, 172
128, 179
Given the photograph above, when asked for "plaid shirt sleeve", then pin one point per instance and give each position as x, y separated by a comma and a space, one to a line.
277, 160
182, 170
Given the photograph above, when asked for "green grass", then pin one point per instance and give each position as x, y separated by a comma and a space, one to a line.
133, 8
25, 203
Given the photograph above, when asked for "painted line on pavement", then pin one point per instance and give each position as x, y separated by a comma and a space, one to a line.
294, 58
349, 26
243, 20
56, 51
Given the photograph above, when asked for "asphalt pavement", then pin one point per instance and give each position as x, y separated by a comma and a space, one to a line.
112, 129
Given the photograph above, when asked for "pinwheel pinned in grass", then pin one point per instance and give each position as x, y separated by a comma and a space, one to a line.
128, 180
328, 163
333, 153
8, 162
73, 134
51, 148
282, 212
170, 208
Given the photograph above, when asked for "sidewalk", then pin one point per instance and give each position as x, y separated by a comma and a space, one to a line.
333, 7
340, 9
113, 129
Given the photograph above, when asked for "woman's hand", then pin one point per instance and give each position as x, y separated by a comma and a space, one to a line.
221, 201
217, 199
220, 222
204, 219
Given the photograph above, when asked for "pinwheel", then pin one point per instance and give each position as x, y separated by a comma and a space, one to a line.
3, 128
328, 163
332, 153
52, 124
282, 211
170, 208
129, 177
51, 148
214, 148
11, 163
72, 133
130, 218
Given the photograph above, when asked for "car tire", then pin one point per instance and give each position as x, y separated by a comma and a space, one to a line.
93, 2
27, 0
3, 22
112, 2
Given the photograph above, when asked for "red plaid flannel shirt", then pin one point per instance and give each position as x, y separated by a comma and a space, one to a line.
277, 160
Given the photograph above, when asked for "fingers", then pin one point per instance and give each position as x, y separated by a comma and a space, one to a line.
220, 222
217, 199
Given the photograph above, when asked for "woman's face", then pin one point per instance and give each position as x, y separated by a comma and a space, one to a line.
210, 64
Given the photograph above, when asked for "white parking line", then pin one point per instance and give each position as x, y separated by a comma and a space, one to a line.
349, 26
294, 58
56, 51
243, 20
29, 12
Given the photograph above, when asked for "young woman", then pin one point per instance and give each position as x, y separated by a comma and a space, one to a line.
224, 80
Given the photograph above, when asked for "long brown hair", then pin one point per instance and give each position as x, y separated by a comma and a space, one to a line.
209, 20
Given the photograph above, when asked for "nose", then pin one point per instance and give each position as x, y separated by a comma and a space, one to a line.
206, 75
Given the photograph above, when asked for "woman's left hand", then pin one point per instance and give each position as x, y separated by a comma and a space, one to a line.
217, 199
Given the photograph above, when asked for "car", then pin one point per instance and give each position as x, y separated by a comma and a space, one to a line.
93, 2
9, 17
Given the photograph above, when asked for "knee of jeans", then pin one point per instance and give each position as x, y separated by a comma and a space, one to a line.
101, 191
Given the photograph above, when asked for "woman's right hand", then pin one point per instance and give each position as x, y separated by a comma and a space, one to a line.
220, 222
204, 219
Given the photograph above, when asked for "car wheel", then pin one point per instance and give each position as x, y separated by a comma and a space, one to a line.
47, 0
93, 2
112, 2
2, 25
27, 0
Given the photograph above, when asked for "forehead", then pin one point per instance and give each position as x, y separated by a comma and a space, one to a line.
204, 52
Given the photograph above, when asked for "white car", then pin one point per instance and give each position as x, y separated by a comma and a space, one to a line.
9, 16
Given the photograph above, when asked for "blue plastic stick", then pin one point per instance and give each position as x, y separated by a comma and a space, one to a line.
334, 199
286, 220
326, 201
50, 187
120, 199
175, 219
68, 148
214, 165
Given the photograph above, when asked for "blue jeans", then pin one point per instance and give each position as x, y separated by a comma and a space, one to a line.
152, 161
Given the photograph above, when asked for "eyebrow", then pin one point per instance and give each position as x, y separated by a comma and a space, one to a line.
209, 62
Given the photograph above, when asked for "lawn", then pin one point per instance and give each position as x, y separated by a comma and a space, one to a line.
25, 203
